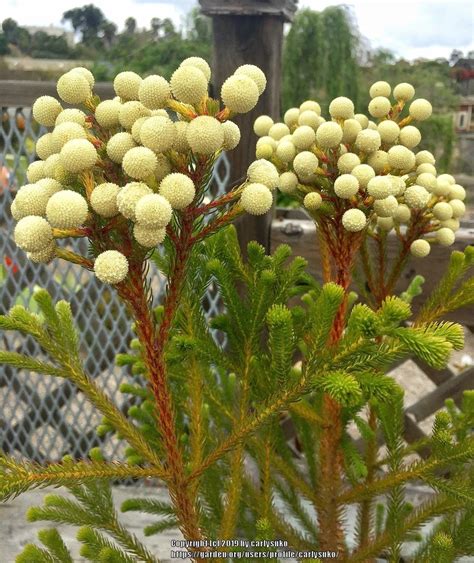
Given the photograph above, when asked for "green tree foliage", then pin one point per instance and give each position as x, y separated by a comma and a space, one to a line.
87, 20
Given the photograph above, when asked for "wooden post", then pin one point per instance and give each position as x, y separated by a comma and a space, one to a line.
249, 32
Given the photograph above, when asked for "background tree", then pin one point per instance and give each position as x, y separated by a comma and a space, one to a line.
130, 25
10, 30
88, 21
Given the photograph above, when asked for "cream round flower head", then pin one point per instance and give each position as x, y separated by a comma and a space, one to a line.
379, 106
350, 129
312, 201
441, 187
154, 91
288, 182
354, 220
103, 199
329, 135
368, 140
457, 192
158, 133
427, 180
423, 157
385, 223
286, 151
180, 143
256, 199
445, 236
66, 132
458, 208
347, 162
163, 113
403, 92
107, 113
189, 84
447, 178
362, 119
43, 256
379, 187
135, 131
346, 186
426, 167
452, 224
420, 109
310, 105
264, 151
380, 88
139, 163
240, 93
378, 160
44, 146
131, 111
205, 134
278, 131
86, 73
397, 184
50, 165
71, 115
231, 135
148, 236
78, 155
402, 213
311, 118
303, 137
153, 211
127, 85
111, 267
386, 207
49, 186
61, 174
33, 233
256, 74
291, 116
364, 173
341, 108
388, 130
305, 164
128, 197
45, 110
420, 248
372, 125
66, 209
442, 211
178, 189
35, 171
30, 200
263, 172
410, 137
163, 167
199, 63
118, 145
401, 158
73, 87
267, 140
262, 124
416, 197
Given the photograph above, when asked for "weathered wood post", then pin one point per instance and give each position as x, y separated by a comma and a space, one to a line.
249, 32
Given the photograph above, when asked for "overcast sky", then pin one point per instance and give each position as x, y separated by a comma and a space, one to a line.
410, 28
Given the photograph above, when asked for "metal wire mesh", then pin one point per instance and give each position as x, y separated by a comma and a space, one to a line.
40, 417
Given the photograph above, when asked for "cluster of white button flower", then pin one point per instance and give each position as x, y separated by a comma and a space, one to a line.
364, 171
131, 156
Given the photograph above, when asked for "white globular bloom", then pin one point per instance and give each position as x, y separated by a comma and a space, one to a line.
303, 137
254, 73
103, 199
178, 189
441, 187
154, 91
127, 85
423, 157
180, 143
73, 87
362, 119
420, 109
372, 125
231, 135
262, 125
403, 92
426, 167
416, 197
380, 88
30, 200
111, 267
66, 132
139, 163
364, 173
385, 223
278, 131
410, 137
388, 130
205, 135
163, 167
447, 178
43, 256
329, 135
107, 113
263, 172
86, 73
158, 133
402, 213
397, 184
427, 180
347, 162
420, 248
131, 111
71, 115
379, 106
267, 140
350, 130
368, 140
46, 110
305, 164
378, 160
452, 224
310, 105
128, 197
346, 186
445, 236
354, 220
386, 207
341, 108
401, 158
118, 145
199, 63
135, 131
379, 187
239, 93
35, 171
291, 116
288, 182
311, 118
50, 165
457, 192
148, 237
256, 199
78, 155
33, 234
286, 151
442, 211
458, 208
312, 201
44, 146
66, 209
153, 211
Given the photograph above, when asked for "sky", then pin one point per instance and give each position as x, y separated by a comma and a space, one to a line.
409, 28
